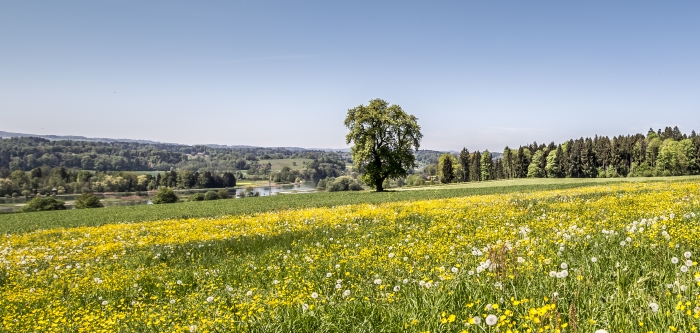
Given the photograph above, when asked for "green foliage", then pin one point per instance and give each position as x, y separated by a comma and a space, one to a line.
448, 168
415, 180
553, 166
211, 195
384, 138
197, 197
464, 164
165, 195
486, 166
87, 200
43, 204
344, 183
223, 194
536, 167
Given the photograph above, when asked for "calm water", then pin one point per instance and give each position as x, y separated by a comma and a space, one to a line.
14, 205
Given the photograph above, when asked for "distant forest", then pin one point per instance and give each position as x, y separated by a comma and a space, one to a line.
30, 166
658, 153
27, 153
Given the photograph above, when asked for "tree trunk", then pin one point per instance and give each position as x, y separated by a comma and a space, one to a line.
379, 185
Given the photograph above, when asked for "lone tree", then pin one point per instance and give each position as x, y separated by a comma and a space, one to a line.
384, 138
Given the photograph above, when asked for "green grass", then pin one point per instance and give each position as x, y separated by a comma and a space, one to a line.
278, 164
25, 222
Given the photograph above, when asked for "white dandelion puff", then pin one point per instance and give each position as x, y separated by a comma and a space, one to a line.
491, 320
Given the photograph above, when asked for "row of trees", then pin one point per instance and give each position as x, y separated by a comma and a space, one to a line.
658, 153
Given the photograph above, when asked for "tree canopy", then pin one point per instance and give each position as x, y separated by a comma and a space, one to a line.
385, 138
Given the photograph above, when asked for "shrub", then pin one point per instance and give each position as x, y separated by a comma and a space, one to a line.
321, 186
223, 194
197, 197
211, 195
344, 183
87, 200
41, 204
165, 195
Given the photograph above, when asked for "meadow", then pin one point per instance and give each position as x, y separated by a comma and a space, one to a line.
618, 257
24, 222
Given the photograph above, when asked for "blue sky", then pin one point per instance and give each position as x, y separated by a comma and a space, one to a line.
480, 74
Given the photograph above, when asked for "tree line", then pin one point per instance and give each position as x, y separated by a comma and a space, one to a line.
28, 153
658, 153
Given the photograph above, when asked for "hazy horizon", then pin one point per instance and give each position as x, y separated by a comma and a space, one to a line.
277, 74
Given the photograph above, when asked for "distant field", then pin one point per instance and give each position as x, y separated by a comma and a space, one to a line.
278, 164
24, 222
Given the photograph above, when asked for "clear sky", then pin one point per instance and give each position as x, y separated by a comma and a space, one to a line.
480, 74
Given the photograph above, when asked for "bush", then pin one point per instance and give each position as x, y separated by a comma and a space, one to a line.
42, 204
321, 186
223, 194
344, 183
87, 200
211, 195
197, 197
165, 195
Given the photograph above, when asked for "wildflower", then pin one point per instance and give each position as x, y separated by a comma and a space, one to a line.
477, 320
172, 301
689, 263
249, 293
622, 243
210, 299
521, 260
687, 255
455, 270
674, 260
104, 302
391, 255
329, 275
653, 307
594, 259
564, 265
338, 286
314, 295
491, 320
178, 282
684, 269
552, 274
378, 281
193, 328
346, 293
601, 331
397, 288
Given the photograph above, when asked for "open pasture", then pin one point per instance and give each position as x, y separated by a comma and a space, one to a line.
619, 257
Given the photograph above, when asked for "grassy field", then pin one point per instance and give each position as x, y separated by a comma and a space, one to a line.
533, 257
24, 222
278, 164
